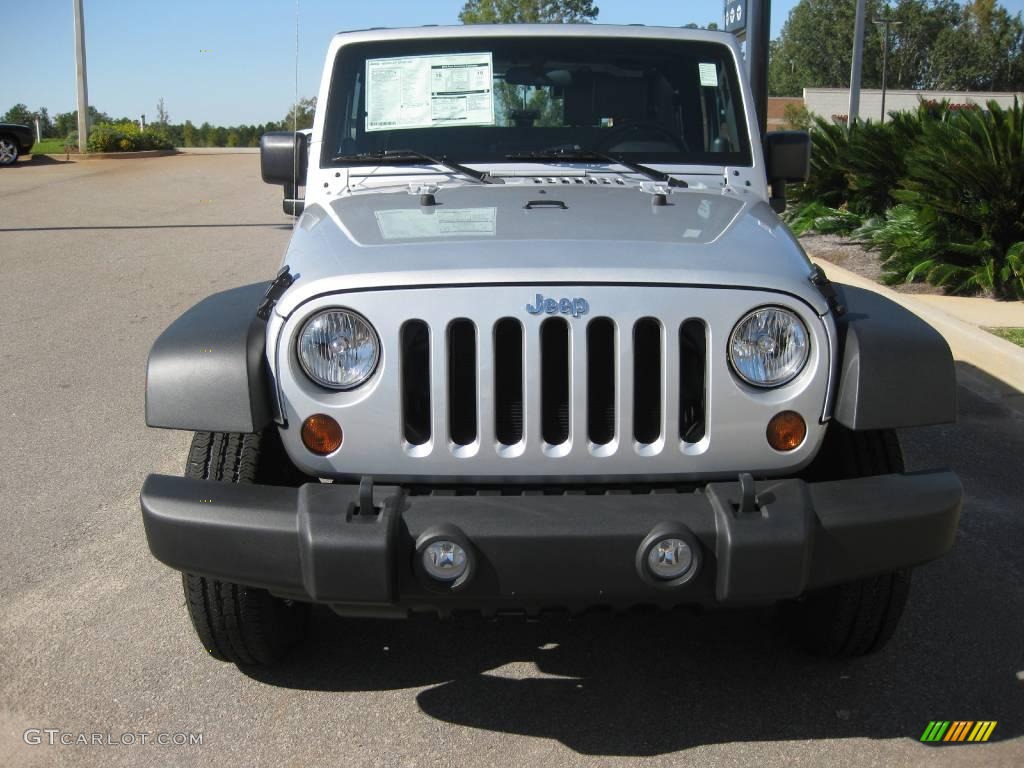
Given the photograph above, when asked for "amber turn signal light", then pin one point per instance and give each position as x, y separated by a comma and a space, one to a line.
321, 434
786, 431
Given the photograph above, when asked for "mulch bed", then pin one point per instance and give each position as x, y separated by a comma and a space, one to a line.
850, 254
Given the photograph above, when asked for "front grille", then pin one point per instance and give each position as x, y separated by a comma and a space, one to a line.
602, 380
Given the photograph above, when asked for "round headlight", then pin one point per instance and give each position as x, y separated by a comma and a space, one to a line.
338, 349
769, 347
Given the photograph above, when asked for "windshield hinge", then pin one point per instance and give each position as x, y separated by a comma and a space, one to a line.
274, 292
820, 281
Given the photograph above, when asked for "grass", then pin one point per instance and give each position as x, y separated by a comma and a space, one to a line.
48, 147
1016, 335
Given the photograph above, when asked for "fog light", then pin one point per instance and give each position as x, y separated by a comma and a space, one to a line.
786, 431
321, 434
670, 558
445, 560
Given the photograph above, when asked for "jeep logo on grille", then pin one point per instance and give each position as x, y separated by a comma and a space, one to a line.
576, 307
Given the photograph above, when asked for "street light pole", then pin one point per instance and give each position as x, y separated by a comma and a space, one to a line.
83, 92
858, 64
885, 24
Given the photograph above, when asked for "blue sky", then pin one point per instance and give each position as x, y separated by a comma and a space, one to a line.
140, 50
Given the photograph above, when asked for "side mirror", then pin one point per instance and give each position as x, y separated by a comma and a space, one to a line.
284, 158
787, 158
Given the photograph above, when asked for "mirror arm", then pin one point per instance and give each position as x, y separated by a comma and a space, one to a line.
777, 199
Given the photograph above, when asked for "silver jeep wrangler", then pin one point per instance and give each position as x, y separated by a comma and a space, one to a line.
541, 342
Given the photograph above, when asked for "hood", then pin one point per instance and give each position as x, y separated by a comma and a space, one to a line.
544, 231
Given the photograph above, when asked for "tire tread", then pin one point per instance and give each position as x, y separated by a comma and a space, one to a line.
860, 617
236, 623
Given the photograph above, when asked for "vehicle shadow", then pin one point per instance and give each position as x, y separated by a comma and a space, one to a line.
654, 684
36, 160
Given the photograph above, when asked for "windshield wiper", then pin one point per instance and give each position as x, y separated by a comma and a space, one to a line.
412, 157
589, 154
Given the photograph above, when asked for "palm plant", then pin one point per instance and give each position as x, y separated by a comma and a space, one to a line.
827, 183
964, 181
877, 158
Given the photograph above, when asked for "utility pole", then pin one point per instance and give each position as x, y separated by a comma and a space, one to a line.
83, 92
885, 24
858, 64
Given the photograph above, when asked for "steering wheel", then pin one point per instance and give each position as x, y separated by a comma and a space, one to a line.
616, 135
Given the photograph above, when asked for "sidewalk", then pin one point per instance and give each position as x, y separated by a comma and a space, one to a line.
959, 321
986, 313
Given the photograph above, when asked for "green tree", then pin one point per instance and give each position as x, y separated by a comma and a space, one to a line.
939, 44
45, 123
815, 48
161, 112
300, 115
527, 11
912, 41
19, 114
984, 52
64, 123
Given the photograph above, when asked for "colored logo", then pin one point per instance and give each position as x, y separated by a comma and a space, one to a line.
958, 730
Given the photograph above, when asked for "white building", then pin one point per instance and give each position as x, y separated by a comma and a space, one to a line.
835, 102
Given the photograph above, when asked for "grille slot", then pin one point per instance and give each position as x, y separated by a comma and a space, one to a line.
415, 374
554, 372
647, 380
508, 381
462, 368
601, 381
693, 355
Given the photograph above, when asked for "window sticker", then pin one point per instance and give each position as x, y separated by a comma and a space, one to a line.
429, 91
414, 223
708, 74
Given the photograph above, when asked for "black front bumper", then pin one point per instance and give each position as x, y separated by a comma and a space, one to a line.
535, 552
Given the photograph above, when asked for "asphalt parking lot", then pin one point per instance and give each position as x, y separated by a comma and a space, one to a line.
96, 258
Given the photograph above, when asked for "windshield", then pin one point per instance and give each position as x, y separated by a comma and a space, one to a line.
488, 98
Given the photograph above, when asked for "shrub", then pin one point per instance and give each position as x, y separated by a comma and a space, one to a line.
818, 217
797, 117
875, 160
964, 183
126, 136
827, 183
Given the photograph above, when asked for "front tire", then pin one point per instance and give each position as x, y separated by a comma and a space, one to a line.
237, 623
860, 617
9, 150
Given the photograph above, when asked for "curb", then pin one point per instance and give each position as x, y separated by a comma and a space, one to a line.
997, 357
218, 150
127, 155
75, 157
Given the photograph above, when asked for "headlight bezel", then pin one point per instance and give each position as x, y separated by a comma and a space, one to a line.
778, 383
331, 386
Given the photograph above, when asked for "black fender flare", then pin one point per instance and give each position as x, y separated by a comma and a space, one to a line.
895, 370
207, 371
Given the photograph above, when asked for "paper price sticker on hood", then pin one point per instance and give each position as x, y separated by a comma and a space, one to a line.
417, 224
429, 91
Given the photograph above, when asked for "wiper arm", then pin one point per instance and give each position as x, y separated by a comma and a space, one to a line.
589, 154
412, 157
